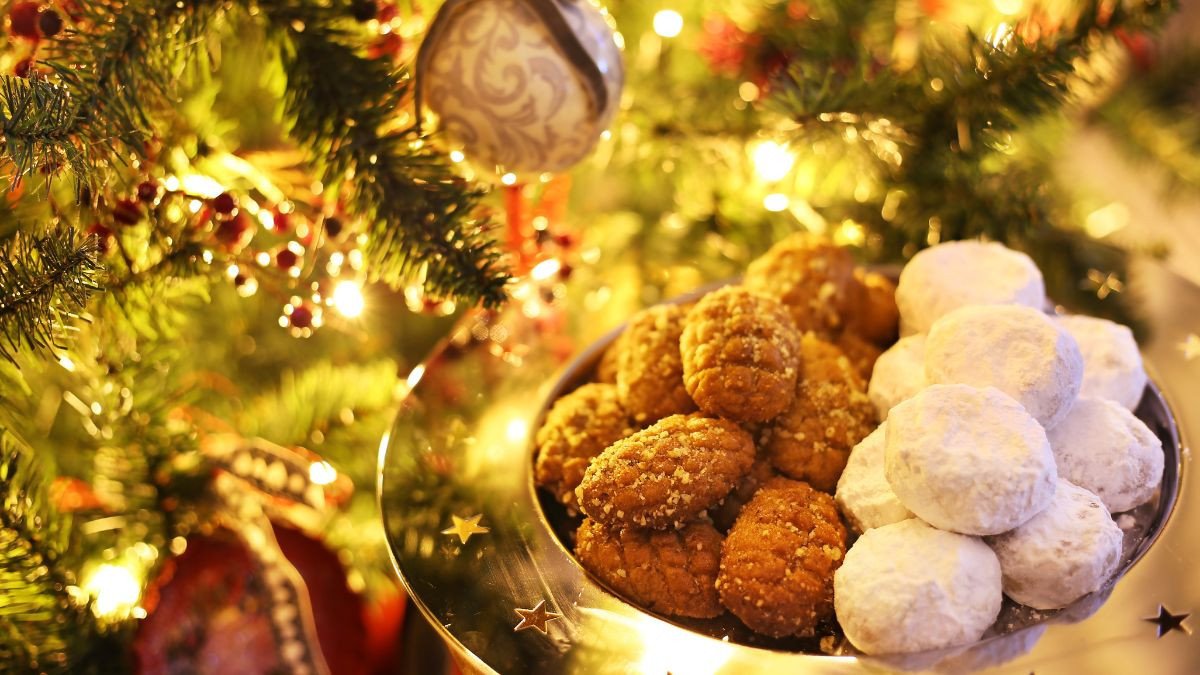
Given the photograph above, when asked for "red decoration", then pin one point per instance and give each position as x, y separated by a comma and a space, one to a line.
1140, 47
209, 610
49, 22
333, 226
23, 20
280, 222
127, 212
104, 236
224, 203
235, 233
148, 191
724, 45
301, 316
23, 67
286, 259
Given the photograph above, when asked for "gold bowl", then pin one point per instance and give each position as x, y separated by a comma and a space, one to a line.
459, 459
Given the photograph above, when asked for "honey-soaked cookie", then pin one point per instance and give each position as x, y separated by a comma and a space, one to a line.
649, 366
809, 275
740, 355
870, 308
578, 427
666, 474
862, 353
727, 511
668, 571
778, 560
606, 367
812, 440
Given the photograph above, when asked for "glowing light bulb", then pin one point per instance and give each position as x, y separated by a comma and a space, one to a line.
776, 202
668, 23
115, 589
509, 179
457, 156
322, 473
516, 430
545, 269
348, 299
772, 161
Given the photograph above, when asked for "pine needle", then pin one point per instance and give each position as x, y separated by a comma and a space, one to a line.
44, 281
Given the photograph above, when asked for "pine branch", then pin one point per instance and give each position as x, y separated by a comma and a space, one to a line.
116, 64
42, 627
44, 280
342, 106
36, 120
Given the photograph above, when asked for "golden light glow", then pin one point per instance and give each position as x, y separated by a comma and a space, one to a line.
348, 299
509, 178
1106, 220
668, 23
849, 233
457, 156
516, 430
322, 473
666, 649
201, 185
776, 202
67, 363
115, 589
772, 161
545, 269
1009, 7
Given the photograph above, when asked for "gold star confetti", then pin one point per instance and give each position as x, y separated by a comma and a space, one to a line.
535, 618
1190, 346
1103, 284
1167, 622
465, 527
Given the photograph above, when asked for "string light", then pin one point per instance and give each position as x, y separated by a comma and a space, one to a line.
772, 161
668, 23
509, 178
116, 591
545, 269
776, 202
348, 299
516, 430
322, 473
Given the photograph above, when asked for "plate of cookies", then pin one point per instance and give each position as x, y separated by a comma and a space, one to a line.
731, 457
816, 462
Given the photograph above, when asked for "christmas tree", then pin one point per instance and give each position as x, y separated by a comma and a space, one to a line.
231, 231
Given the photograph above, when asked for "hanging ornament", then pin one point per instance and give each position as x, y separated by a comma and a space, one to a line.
524, 86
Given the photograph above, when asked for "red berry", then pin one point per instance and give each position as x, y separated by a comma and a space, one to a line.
147, 191
23, 20
127, 212
286, 259
235, 232
225, 203
104, 236
387, 13
388, 44
333, 227
301, 316
363, 10
23, 67
281, 222
49, 22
